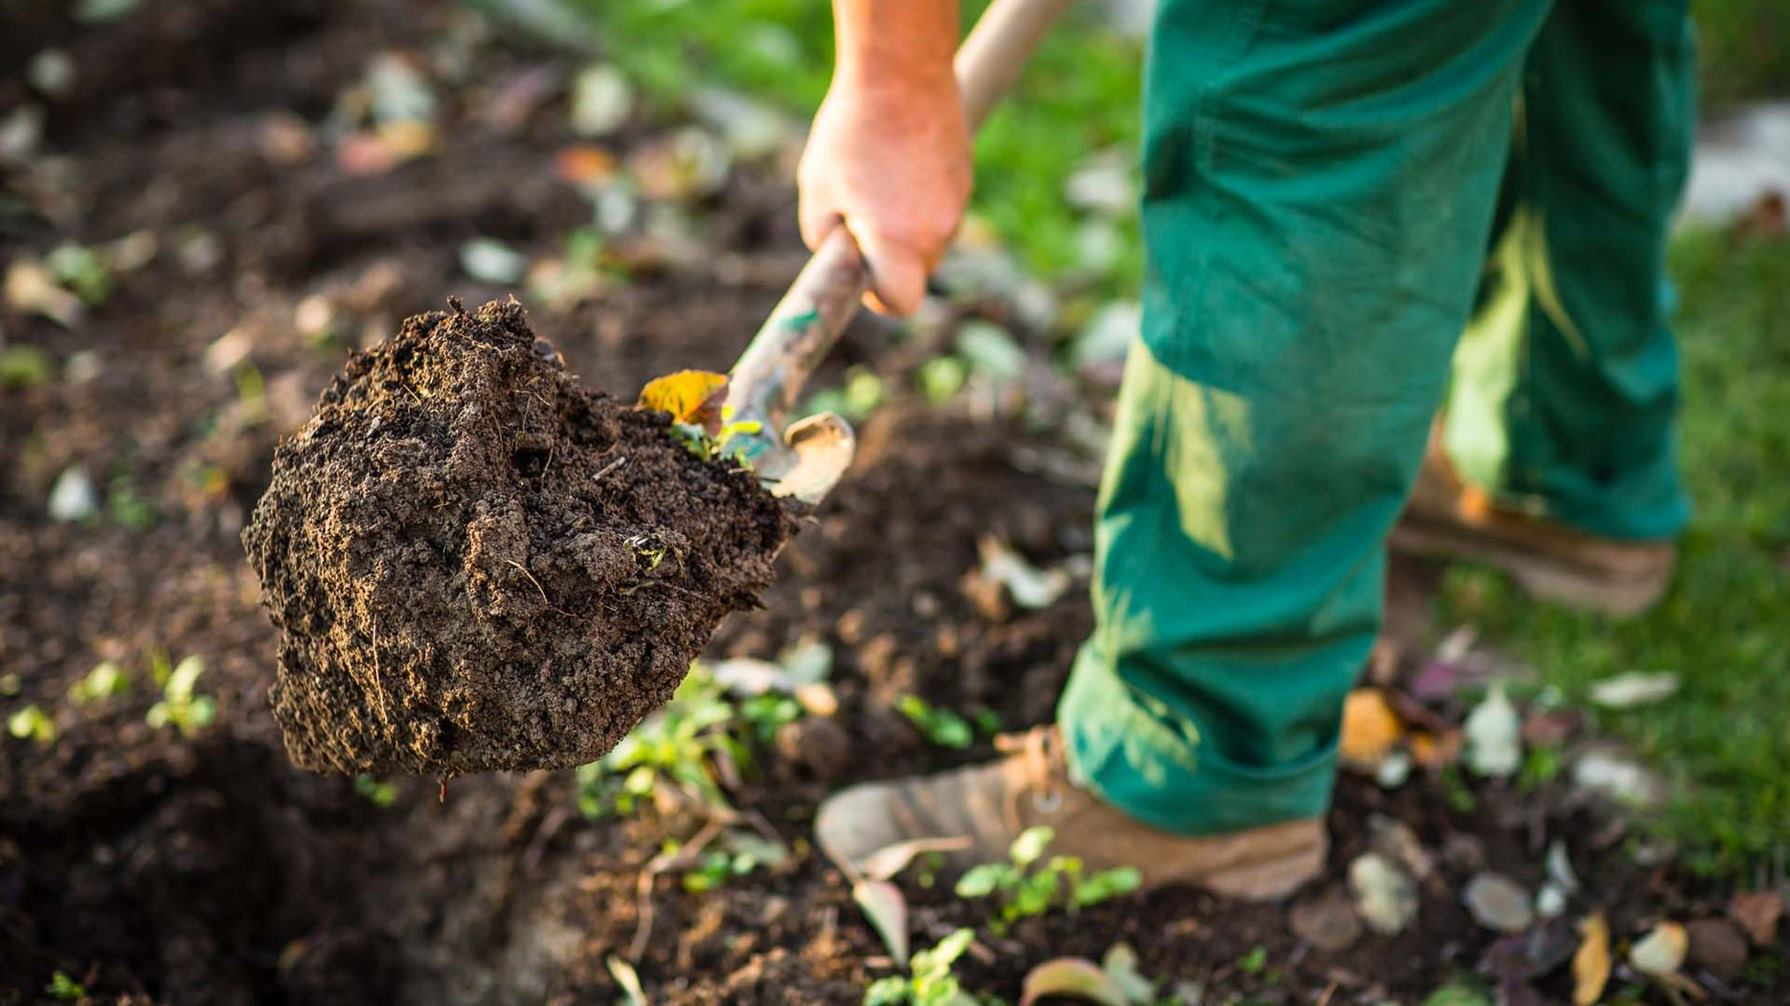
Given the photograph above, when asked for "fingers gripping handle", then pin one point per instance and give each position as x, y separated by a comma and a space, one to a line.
825, 295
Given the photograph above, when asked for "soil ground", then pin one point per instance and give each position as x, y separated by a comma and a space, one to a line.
159, 868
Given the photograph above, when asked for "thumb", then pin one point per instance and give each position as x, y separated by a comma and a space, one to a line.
897, 273
816, 218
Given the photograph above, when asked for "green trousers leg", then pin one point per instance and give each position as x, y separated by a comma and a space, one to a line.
1320, 179
1566, 383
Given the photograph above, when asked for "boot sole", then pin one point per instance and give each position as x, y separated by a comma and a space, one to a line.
1269, 880
1539, 575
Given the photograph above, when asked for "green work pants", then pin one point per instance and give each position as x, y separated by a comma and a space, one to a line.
1334, 191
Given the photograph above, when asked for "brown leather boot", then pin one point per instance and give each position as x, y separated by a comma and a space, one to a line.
989, 805
1447, 518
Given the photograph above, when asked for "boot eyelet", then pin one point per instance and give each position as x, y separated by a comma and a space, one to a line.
1048, 802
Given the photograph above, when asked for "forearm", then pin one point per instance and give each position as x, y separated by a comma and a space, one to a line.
894, 45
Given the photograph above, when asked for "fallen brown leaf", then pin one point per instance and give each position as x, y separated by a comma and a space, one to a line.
1591, 964
1758, 913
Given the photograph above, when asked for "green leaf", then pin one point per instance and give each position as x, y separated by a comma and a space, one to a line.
981, 881
945, 953
31, 723
25, 367
1458, 994
185, 676
1253, 962
890, 991
104, 681
1030, 845
1108, 884
64, 988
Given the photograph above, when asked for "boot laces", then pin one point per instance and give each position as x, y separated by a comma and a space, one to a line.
1044, 769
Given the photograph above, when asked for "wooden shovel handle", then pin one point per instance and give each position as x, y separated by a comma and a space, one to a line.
826, 293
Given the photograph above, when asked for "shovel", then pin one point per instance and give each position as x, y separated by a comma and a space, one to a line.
806, 459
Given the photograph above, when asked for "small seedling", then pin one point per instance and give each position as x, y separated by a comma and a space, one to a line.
25, 367
649, 550
62, 988
180, 706
83, 271
129, 507
31, 723
1541, 765
1253, 962
673, 747
768, 713
930, 981
988, 722
741, 853
940, 726
106, 680
709, 448
1029, 885
376, 792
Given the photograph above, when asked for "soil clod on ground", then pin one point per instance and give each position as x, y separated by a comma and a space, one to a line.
476, 563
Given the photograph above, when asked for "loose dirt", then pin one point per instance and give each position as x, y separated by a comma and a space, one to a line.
477, 564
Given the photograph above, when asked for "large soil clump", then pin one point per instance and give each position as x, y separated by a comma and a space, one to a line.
475, 563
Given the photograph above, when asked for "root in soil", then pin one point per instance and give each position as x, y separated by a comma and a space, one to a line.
475, 563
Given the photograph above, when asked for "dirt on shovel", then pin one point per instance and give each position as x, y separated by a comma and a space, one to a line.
476, 563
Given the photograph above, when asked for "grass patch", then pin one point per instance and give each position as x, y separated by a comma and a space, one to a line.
1724, 739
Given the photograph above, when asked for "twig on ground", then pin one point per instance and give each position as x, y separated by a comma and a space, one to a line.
611, 466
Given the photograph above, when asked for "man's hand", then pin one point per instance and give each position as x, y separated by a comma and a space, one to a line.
889, 152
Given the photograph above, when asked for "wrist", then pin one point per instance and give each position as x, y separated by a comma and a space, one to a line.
895, 51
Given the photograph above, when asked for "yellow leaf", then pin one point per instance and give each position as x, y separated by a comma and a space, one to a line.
691, 396
1436, 750
1591, 964
1370, 728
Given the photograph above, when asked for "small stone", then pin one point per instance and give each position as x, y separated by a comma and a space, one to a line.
1385, 895
1661, 952
818, 745
73, 497
1717, 944
1326, 921
1499, 903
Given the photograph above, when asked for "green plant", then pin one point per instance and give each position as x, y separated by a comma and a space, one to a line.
31, 723
64, 989
929, 981
1253, 962
1030, 885
712, 447
83, 271
676, 746
377, 792
180, 706
105, 681
940, 726
764, 714
129, 507
1541, 765
25, 367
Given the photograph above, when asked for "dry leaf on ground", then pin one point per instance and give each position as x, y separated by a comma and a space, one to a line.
1370, 729
1758, 913
691, 396
1591, 964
